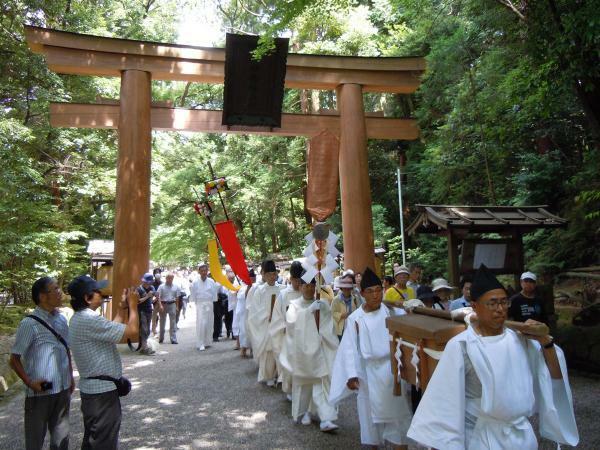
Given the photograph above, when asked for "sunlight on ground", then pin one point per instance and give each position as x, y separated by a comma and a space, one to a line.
246, 421
167, 401
201, 443
142, 363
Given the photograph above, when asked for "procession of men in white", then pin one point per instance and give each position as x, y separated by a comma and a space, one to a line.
489, 380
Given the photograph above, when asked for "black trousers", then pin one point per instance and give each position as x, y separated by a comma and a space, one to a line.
47, 412
101, 420
228, 320
218, 319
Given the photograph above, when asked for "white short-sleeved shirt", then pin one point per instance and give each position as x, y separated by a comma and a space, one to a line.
94, 349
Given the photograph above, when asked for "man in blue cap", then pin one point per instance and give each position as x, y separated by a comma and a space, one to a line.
93, 341
147, 293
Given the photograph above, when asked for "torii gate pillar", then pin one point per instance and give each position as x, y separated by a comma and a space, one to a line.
355, 187
132, 216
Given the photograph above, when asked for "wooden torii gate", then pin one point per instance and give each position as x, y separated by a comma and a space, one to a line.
137, 63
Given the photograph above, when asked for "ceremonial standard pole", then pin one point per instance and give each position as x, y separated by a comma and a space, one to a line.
399, 177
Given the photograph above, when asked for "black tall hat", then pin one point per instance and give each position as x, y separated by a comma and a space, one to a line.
484, 281
425, 293
369, 278
268, 265
296, 269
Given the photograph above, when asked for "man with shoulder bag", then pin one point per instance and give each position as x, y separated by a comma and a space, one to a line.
40, 357
93, 344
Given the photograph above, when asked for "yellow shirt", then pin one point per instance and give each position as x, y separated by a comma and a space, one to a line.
397, 295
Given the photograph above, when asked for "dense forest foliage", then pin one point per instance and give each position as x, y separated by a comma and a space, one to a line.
508, 109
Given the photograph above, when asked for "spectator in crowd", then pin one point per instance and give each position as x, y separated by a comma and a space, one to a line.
146, 293
465, 299
428, 297
94, 342
156, 303
414, 278
344, 304
388, 282
184, 292
443, 291
168, 293
40, 357
526, 304
400, 292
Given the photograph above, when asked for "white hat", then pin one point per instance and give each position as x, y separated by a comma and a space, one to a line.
401, 269
347, 272
528, 276
440, 283
345, 283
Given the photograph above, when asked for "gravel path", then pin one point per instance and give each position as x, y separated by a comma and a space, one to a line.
184, 399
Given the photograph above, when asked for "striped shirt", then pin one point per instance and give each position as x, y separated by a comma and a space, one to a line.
94, 349
42, 355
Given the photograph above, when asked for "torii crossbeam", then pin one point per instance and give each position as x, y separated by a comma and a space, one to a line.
137, 63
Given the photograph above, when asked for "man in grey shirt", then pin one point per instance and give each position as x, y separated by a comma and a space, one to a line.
93, 343
167, 294
43, 362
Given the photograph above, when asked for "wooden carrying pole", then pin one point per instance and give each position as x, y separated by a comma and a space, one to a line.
212, 174
273, 299
540, 330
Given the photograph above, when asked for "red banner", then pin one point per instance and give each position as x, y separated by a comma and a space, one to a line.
232, 249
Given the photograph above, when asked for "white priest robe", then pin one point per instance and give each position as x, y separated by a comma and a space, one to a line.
239, 316
308, 355
203, 293
259, 313
247, 338
364, 353
277, 332
484, 389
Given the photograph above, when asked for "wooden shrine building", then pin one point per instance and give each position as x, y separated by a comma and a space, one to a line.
466, 226
137, 63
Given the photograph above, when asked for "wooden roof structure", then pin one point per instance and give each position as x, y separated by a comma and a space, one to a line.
483, 219
101, 250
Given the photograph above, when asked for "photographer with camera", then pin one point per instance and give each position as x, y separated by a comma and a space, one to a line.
93, 343
41, 359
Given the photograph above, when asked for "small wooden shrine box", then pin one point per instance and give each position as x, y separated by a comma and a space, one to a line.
429, 334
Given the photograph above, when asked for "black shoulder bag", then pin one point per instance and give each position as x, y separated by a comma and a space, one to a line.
122, 384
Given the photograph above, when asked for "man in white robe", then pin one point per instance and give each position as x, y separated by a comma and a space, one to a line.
241, 314
203, 293
362, 365
308, 355
260, 313
490, 379
278, 324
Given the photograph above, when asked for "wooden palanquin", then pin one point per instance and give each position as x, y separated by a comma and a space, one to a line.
425, 332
